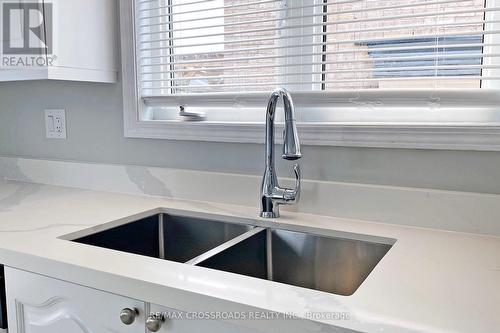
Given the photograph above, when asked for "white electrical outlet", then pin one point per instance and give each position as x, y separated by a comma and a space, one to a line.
55, 124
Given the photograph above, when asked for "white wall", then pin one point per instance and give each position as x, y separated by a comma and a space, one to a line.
95, 133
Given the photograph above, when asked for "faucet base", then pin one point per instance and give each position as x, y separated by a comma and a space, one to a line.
269, 215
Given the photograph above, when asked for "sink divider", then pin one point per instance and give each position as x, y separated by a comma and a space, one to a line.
161, 238
269, 254
224, 246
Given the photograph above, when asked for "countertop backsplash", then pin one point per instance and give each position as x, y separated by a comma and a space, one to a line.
446, 210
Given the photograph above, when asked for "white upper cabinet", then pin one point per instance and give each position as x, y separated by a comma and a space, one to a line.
73, 40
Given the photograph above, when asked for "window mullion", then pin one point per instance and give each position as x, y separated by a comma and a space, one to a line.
489, 39
171, 46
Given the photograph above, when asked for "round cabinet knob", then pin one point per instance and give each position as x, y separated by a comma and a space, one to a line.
127, 316
154, 322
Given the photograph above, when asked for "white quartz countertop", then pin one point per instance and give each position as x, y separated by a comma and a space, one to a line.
430, 281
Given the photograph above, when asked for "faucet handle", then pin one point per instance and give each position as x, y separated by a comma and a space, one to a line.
298, 179
293, 195
296, 170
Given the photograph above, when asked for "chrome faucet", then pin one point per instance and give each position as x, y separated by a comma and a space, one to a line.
272, 194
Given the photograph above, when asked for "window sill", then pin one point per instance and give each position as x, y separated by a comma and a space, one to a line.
450, 137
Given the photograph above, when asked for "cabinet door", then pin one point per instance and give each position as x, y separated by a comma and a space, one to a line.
38, 304
181, 322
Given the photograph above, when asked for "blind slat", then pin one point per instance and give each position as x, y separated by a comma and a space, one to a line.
239, 59
282, 83
159, 71
380, 29
232, 6
438, 68
338, 71
236, 50
302, 26
287, 8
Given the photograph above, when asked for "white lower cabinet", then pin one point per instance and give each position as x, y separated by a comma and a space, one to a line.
38, 304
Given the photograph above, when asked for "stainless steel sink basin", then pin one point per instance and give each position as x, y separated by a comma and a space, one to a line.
334, 265
322, 262
171, 237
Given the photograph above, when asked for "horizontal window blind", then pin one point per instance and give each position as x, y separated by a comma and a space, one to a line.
215, 46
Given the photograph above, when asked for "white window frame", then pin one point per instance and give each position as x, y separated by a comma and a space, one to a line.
350, 125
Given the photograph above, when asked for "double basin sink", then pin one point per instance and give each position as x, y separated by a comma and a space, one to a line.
322, 262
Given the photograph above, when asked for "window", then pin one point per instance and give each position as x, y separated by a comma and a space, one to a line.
378, 63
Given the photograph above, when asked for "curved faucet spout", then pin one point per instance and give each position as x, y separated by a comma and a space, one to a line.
272, 194
291, 144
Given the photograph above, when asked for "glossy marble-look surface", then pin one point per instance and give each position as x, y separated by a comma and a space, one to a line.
420, 207
429, 281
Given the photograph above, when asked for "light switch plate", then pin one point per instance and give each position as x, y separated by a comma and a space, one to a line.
55, 123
